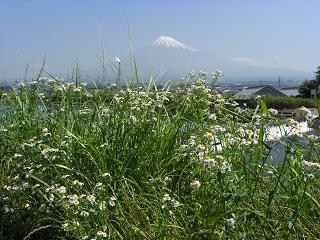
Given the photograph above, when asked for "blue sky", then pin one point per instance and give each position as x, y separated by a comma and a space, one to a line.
276, 33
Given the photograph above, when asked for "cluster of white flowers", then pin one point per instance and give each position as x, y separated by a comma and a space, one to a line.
84, 213
192, 141
272, 111
61, 190
46, 132
7, 209
209, 136
291, 122
200, 150
195, 184
91, 199
231, 223
167, 201
303, 113
77, 183
34, 83
210, 162
225, 167
217, 75
212, 117
47, 151
3, 130
218, 129
102, 234
85, 111
310, 166
73, 199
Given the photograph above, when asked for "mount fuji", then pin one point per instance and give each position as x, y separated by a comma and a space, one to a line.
170, 42
167, 58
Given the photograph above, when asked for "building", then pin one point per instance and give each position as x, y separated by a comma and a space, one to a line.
252, 92
290, 92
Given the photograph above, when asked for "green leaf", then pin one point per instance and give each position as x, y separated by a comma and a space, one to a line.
263, 106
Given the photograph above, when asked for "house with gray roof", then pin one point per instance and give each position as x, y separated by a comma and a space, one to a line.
252, 92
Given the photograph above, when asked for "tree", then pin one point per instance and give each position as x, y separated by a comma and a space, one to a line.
317, 77
306, 87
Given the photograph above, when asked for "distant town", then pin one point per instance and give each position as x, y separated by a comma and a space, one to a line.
288, 87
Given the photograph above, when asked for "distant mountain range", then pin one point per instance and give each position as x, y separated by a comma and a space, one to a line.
168, 58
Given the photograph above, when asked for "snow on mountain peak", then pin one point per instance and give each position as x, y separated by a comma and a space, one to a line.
170, 42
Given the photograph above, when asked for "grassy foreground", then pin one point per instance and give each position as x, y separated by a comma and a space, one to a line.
150, 164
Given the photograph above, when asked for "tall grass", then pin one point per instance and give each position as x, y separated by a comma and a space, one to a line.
78, 163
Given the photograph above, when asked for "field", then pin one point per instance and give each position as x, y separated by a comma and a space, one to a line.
148, 163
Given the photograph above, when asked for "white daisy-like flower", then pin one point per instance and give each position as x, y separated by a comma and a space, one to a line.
91, 199
212, 117
112, 201
231, 223
195, 184
61, 189
74, 199
101, 234
84, 214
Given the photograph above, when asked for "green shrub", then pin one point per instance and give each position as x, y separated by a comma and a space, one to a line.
282, 102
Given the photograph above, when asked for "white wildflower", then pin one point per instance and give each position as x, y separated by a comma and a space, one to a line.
212, 117
91, 199
74, 199
231, 222
309, 166
101, 234
225, 167
209, 162
272, 111
17, 155
184, 147
200, 148
77, 182
84, 214
61, 189
112, 201
303, 112
65, 226
166, 198
195, 184
102, 205
51, 198
310, 176
209, 136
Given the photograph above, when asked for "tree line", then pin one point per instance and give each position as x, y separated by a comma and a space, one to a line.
305, 89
